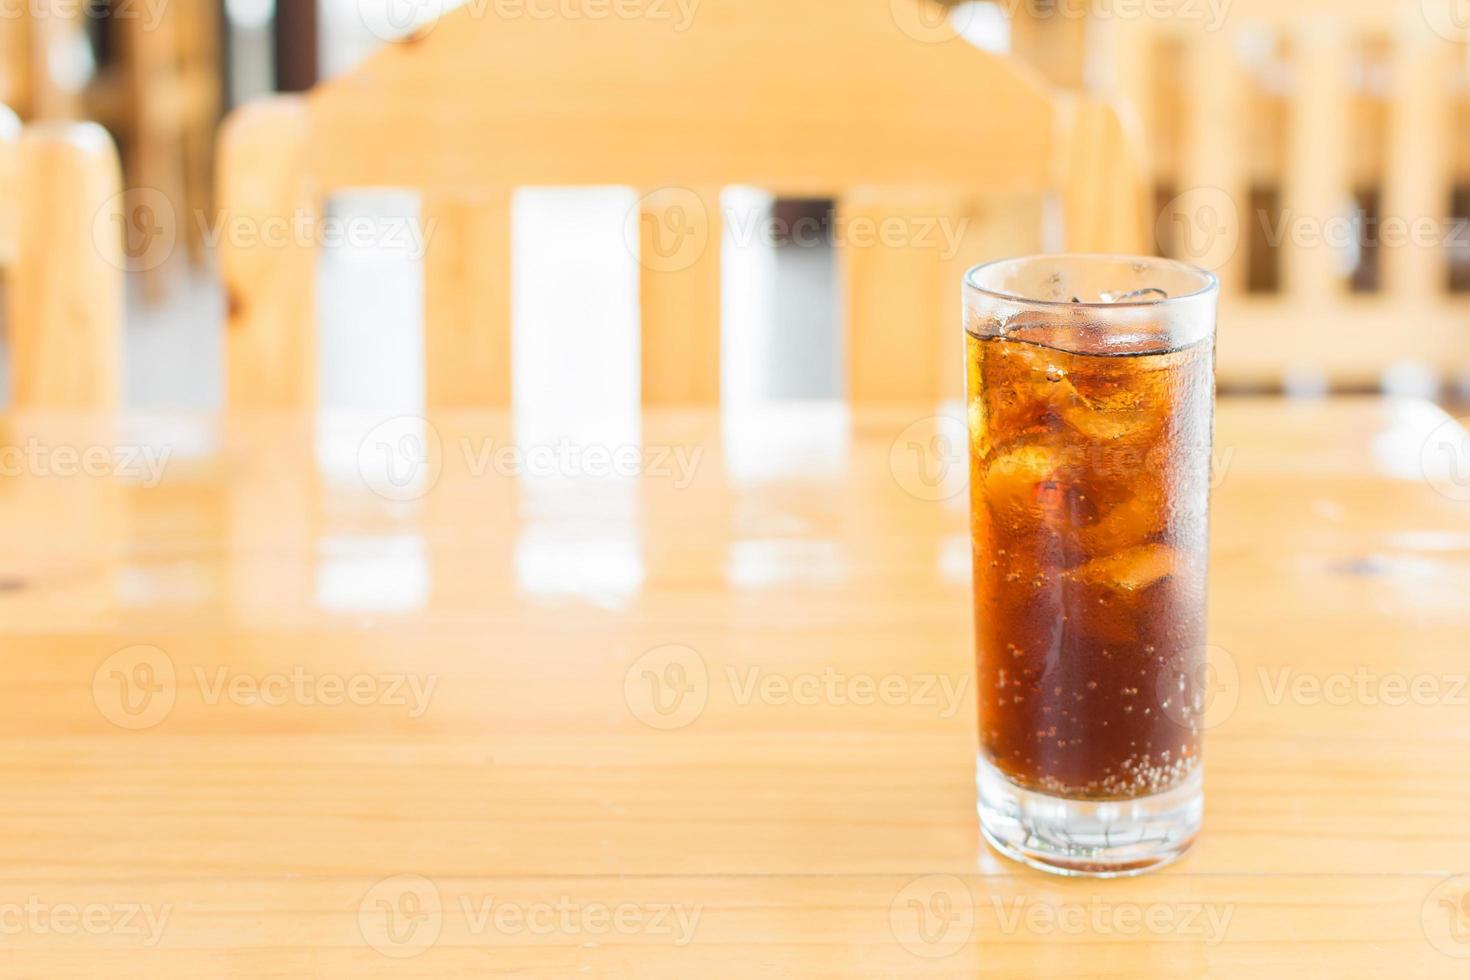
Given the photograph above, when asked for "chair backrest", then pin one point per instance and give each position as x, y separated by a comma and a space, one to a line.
167, 105
15, 61
61, 253
45, 45
877, 105
1307, 149
159, 90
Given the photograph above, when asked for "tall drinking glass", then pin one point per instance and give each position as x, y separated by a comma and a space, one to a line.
1091, 404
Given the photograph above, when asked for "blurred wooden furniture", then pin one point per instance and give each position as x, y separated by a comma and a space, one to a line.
15, 61
47, 58
894, 116
157, 88
62, 259
170, 75
1275, 136
180, 648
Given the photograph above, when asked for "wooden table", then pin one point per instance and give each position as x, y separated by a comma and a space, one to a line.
283, 711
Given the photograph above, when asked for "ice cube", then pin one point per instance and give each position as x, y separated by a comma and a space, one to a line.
1146, 294
1104, 426
1013, 404
976, 415
1128, 524
1136, 411
1028, 324
1132, 570
1012, 474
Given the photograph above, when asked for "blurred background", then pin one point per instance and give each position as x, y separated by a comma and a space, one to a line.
1286, 144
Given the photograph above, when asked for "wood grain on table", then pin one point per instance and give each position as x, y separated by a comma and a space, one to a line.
347, 697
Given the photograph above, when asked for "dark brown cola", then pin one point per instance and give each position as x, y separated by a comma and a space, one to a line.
1090, 490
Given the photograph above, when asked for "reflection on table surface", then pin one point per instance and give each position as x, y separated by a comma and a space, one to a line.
362, 689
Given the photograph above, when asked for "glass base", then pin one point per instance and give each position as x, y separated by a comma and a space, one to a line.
1100, 839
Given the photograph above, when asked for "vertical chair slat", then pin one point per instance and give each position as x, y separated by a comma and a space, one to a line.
893, 290
984, 230
1052, 41
15, 61
1213, 183
1104, 183
1316, 192
1127, 57
155, 149
679, 239
200, 91
66, 297
268, 268
9, 185
1417, 167
1166, 60
58, 34
970, 248
467, 299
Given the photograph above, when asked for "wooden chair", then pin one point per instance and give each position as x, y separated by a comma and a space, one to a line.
169, 79
1290, 112
62, 256
158, 89
15, 62
887, 114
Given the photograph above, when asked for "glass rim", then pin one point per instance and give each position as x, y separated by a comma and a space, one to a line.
1211, 281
